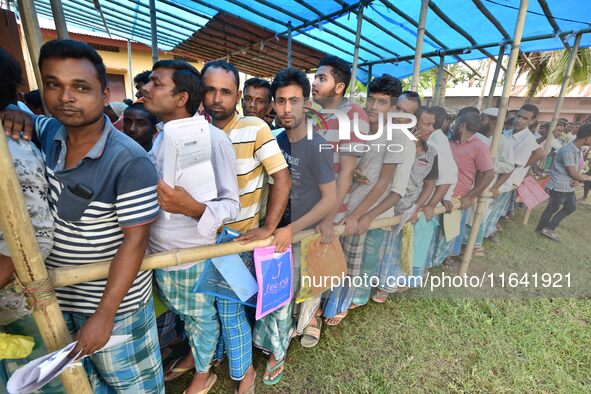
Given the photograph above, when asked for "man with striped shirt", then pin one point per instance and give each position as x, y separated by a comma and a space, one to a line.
102, 193
257, 157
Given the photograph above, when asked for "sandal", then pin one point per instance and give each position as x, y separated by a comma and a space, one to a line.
173, 372
380, 297
338, 318
270, 370
212, 381
311, 335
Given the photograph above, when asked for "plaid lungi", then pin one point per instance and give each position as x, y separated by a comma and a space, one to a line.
132, 367
197, 310
373, 252
339, 299
498, 206
389, 268
236, 338
456, 243
439, 248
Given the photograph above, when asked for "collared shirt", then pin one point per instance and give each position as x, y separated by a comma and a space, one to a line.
448, 170
567, 156
121, 181
180, 231
424, 168
471, 156
257, 156
403, 170
381, 151
505, 161
524, 144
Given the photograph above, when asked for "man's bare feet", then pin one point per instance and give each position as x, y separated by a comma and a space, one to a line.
247, 383
201, 382
179, 368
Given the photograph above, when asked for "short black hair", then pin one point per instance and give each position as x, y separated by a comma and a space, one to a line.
386, 84
33, 98
440, 116
187, 79
143, 77
11, 77
467, 110
128, 101
291, 76
341, 70
424, 110
562, 121
259, 83
413, 96
140, 107
584, 131
223, 65
471, 119
531, 108
71, 49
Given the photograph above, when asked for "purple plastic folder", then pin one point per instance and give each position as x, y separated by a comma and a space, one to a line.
274, 276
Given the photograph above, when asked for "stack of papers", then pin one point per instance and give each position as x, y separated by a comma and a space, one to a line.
186, 154
36, 374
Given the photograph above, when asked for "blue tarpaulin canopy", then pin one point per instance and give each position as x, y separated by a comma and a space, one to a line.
457, 29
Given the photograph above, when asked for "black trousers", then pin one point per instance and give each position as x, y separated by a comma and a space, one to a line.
553, 214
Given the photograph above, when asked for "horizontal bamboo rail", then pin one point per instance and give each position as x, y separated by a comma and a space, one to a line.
62, 277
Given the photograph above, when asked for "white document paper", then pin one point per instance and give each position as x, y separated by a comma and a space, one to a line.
405, 217
186, 158
36, 374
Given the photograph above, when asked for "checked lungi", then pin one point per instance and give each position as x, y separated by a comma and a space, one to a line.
132, 367
197, 310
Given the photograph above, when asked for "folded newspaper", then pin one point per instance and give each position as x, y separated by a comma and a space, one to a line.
36, 374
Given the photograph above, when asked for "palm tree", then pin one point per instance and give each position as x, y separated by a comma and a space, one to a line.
550, 69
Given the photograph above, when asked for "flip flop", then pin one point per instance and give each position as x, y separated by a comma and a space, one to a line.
311, 335
380, 298
213, 379
338, 317
270, 370
173, 372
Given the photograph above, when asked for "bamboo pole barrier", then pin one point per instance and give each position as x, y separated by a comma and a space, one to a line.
416, 65
30, 269
73, 275
483, 201
33, 37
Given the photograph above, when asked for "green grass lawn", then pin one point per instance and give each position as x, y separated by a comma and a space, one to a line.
438, 342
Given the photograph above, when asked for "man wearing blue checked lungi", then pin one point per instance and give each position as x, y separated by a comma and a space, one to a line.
174, 93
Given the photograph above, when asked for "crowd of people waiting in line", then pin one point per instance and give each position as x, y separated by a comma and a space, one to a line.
95, 193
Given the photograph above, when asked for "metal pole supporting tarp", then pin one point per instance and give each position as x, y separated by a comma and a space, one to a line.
484, 198
154, 32
59, 19
437, 93
31, 272
493, 85
130, 68
416, 66
289, 30
356, 51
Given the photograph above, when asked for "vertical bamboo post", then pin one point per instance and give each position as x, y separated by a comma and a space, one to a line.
33, 37
356, 51
30, 268
526, 216
482, 201
59, 19
416, 66
437, 93
484, 82
563, 88
130, 69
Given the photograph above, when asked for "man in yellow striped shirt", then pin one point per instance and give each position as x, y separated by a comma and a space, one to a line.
257, 157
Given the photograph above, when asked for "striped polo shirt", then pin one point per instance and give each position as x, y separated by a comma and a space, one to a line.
257, 154
122, 180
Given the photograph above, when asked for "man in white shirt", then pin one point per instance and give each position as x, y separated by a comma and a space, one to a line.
174, 93
525, 147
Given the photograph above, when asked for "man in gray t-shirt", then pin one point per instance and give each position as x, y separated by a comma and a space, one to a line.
564, 177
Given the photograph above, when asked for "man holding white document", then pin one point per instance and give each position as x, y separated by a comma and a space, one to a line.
198, 193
